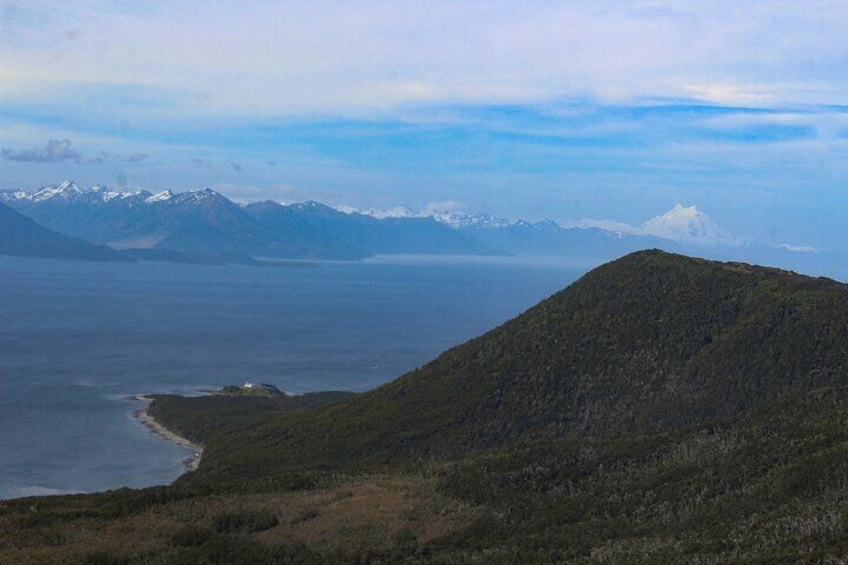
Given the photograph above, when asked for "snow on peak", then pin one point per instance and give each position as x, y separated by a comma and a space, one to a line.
204, 194
67, 186
458, 220
687, 224
445, 213
65, 190
159, 197
106, 195
307, 205
396, 212
15, 195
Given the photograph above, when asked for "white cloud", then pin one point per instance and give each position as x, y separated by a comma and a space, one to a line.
731, 94
56, 150
445, 206
799, 248
257, 58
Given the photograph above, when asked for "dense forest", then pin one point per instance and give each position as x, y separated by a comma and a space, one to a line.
662, 409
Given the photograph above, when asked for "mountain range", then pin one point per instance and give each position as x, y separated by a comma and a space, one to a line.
661, 409
204, 226
205, 223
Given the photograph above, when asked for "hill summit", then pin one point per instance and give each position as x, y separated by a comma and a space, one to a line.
652, 342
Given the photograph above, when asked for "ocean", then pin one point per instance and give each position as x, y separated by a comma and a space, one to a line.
78, 338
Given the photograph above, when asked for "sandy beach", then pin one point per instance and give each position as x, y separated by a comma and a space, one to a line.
145, 418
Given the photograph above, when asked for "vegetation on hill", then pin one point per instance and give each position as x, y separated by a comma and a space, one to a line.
660, 410
199, 418
652, 342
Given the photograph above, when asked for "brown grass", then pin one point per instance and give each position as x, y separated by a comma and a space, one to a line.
371, 512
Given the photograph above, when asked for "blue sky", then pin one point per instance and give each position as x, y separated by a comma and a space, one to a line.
574, 111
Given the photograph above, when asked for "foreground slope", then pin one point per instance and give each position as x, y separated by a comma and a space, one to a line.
649, 343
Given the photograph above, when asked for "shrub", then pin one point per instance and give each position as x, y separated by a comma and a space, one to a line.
246, 522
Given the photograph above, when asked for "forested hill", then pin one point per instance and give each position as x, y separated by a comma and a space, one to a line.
660, 410
649, 343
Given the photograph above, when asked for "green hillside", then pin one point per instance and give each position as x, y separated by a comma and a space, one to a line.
651, 342
662, 409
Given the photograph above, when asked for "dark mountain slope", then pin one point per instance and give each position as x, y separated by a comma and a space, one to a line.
25, 238
95, 214
651, 342
309, 229
200, 221
547, 238
329, 233
417, 236
203, 222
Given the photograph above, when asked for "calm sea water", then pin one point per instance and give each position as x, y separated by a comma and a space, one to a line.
77, 338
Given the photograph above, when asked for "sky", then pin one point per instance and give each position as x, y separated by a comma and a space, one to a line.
577, 111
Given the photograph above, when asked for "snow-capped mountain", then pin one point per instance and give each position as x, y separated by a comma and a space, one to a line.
458, 220
163, 196
124, 219
396, 212
205, 222
68, 191
452, 218
545, 237
688, 225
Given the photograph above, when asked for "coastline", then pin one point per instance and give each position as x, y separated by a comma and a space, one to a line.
143, 416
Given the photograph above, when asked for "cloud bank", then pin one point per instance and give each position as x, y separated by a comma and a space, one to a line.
278, 58
56, 150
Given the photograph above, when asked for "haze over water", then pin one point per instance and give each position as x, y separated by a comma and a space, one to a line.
77, 338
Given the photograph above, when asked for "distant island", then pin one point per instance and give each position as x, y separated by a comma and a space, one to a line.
662, 409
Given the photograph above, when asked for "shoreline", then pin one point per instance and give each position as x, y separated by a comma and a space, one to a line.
142, 415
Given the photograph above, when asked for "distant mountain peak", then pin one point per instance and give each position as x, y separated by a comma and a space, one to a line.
310, 206
107, 194
66, 190
69, 191
197, 196
461, 220
396, 212
689, 225
204, 192
163, 196
307, 204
